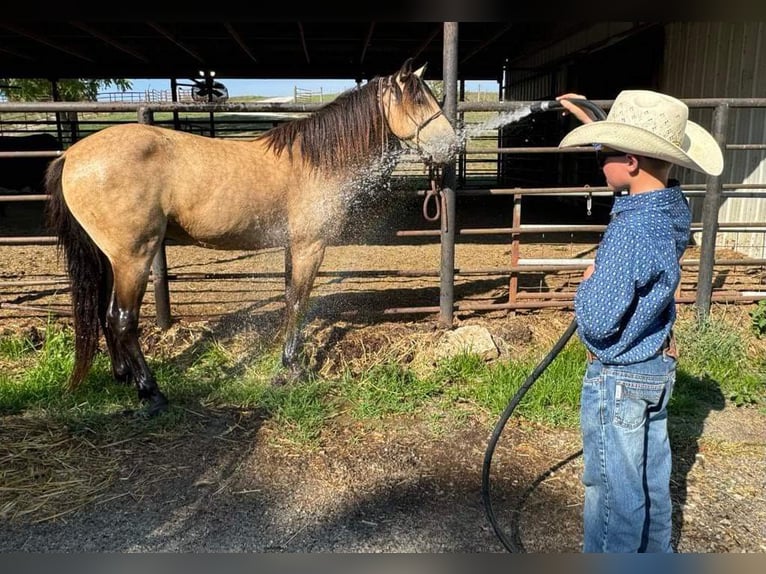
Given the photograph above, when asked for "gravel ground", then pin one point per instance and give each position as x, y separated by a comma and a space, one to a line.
229, 482
232, 486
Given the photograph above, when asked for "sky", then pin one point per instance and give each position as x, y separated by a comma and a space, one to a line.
268, 88
276, 88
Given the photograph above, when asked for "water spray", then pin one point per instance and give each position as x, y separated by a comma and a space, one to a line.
514, 544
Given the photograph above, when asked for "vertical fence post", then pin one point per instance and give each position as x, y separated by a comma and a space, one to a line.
160, 262
447, 275
710, 207
513, 283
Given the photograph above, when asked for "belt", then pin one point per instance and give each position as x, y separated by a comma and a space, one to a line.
668, 348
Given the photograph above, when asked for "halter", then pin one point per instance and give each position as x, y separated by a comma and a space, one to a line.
414, 135
434, 194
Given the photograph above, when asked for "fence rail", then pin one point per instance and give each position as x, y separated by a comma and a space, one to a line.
700, 290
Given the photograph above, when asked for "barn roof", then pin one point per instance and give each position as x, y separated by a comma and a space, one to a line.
166, 47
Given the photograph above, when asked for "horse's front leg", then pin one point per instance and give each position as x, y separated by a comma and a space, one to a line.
301, 265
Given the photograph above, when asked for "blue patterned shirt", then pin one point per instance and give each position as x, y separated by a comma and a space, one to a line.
626, 308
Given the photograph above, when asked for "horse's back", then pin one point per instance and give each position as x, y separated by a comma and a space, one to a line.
219, 193
128, 142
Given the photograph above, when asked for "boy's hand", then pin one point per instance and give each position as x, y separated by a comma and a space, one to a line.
574, 109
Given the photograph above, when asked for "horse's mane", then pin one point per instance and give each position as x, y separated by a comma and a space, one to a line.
347, 131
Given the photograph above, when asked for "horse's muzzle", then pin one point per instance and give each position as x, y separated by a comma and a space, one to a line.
441, 152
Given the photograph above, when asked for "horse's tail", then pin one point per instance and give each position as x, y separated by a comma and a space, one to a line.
88, 271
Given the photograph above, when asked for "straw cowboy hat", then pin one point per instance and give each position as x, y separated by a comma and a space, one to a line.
651, 124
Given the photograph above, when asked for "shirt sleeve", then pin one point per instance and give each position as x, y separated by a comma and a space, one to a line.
604, 299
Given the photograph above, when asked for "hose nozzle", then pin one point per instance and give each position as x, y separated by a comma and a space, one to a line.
545, 105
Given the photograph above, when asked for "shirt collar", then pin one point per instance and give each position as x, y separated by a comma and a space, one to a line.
651, 199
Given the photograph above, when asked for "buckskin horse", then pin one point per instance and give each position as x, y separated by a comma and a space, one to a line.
117, 194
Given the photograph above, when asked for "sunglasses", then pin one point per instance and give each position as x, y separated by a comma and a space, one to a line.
603, 154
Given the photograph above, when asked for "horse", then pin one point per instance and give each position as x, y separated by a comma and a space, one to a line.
116, 195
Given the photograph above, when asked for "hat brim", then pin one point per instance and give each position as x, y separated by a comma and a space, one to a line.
699, 150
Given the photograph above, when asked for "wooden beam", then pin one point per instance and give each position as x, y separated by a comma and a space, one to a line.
16, 54
238, 39
67, 50
173, 39
110, 41
367, 42
428, 40
303, 41
486, 43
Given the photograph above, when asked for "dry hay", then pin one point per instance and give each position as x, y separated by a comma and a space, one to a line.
46, 472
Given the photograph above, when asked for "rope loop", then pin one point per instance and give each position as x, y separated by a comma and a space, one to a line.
436, 195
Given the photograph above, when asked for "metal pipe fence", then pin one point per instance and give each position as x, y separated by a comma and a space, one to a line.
700, 289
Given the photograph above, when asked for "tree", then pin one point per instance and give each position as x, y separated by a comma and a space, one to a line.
72, 90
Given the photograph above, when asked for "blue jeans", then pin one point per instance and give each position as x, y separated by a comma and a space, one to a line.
627, 458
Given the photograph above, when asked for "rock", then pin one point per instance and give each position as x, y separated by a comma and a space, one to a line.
467, 339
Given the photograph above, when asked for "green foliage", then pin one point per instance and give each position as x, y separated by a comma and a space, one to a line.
386, 388
714, 359
553, 398
715, 369
301, 410
69, 90
15, 347
758, 318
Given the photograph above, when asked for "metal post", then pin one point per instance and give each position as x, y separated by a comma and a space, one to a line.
174, 99
710, 206
513, 283
160, 263
447, 276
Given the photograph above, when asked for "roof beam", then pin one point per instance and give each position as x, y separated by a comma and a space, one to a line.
486, 43
54, 45
110, 41
427, 41
238, 39
173, 39
367, 42
16, 54
303, 41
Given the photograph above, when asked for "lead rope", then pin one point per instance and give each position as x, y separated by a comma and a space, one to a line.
437, 195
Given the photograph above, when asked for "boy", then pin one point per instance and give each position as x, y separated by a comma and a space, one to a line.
625, 311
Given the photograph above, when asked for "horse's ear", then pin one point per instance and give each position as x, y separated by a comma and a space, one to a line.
420, 70
406, 70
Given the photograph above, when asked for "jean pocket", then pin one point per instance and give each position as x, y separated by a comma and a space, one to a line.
591, 381
633, 397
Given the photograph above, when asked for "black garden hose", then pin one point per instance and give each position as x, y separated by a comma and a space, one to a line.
510, 545
513, 545
546, 105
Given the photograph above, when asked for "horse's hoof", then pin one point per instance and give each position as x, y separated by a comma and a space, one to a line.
123, 379
122, 376
155, 405
282, 380
289, 376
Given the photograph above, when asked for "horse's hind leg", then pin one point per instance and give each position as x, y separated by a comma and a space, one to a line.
122, 316
120, 366
301, 270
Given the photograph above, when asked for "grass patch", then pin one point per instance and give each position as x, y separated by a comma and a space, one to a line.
716, 367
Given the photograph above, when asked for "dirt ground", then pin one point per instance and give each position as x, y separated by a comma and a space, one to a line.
408, 484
